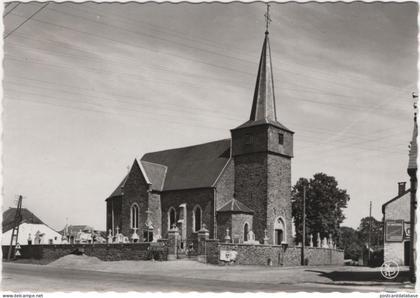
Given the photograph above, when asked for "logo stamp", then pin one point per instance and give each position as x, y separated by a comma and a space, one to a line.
390, 269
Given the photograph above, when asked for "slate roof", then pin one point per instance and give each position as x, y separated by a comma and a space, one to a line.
263, 121
191, 167
234, 206
394, 199
263, 109
9, 218
156, 174
119, 191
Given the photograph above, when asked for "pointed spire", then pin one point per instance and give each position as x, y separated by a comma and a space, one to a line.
263, 105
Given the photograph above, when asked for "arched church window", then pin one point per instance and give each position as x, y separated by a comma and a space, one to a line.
246, 231
134, 215
171, 217
197, 218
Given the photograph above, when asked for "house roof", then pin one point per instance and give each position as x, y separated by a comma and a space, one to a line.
9, 218
234, 206
394, 199
195, 166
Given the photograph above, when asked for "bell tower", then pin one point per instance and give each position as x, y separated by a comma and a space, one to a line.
262, 149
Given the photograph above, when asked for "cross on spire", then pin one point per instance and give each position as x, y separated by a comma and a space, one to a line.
267, 18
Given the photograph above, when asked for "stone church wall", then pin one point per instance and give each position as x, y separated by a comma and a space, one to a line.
225, 185
156, 215
203, 197
135, 191
279, 195
224, 221
251, 188
238, 223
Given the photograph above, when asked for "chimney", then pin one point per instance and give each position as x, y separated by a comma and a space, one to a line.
401, 188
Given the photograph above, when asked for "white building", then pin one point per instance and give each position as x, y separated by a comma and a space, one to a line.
396, 218
38, 233
31, 229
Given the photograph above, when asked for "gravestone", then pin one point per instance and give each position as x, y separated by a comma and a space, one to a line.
251, 238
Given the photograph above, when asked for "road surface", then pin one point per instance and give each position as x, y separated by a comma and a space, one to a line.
39, 278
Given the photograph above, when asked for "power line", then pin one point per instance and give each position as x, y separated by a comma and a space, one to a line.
343, 106
197, 124
124, 19
204, 50
174, 55
301, 87
13, 8
30, 17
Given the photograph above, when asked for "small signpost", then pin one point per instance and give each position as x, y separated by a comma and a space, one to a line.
17, 250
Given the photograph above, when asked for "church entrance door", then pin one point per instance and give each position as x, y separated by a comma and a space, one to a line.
278, 237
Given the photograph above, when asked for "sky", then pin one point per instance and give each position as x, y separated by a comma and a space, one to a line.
90, 87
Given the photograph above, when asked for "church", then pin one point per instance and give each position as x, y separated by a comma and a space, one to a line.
233, 186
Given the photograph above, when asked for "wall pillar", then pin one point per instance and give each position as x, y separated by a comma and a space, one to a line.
173, 239
203, 236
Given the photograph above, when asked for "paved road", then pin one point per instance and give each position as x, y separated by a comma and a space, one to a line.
25, 277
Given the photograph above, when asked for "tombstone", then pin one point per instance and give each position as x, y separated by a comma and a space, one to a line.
318, 240
37, 237
157, 236
29, 239
125, 239
265, 240
63, 240
120, 238
324, 243
134, 236
227, 237
109, 236
311, 243
251, 238
330, 242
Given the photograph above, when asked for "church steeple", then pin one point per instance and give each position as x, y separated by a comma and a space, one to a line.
264, 104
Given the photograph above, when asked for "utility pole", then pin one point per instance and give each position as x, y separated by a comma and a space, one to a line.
412, 172
302, 255
15, 230
370, 230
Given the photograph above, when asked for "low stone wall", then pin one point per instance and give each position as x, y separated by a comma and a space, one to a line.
273, 255
105, 252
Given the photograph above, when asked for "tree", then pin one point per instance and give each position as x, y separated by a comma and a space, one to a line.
377, 236
353, 242
324, 204
349, 242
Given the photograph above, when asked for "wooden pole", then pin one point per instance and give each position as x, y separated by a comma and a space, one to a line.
302, 255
